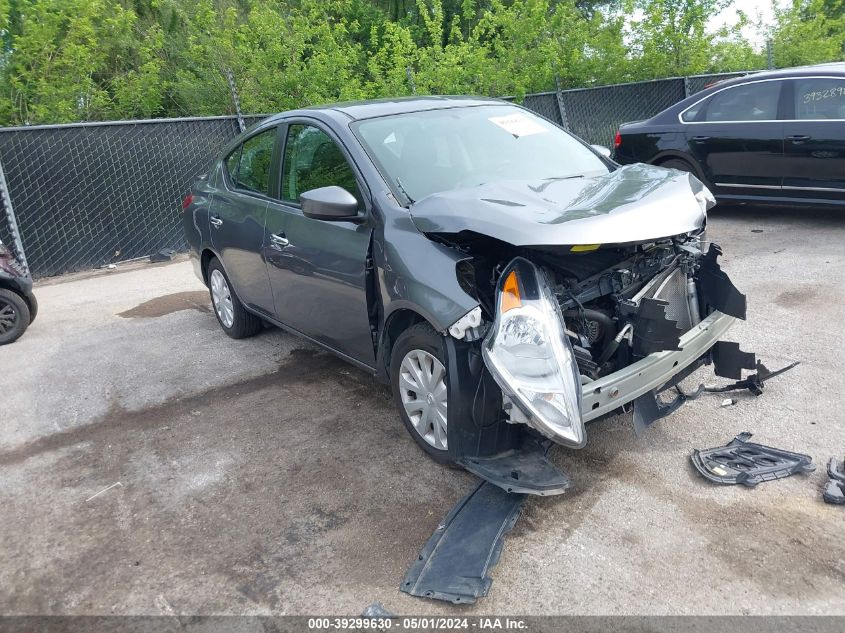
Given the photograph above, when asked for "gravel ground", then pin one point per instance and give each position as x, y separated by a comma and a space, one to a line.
151, 465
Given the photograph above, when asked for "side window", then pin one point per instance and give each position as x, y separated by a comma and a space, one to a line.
232, 161
692, 113
312, 160
818, 98
254, 168
748, 102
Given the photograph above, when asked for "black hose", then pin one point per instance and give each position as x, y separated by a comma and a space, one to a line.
595, 315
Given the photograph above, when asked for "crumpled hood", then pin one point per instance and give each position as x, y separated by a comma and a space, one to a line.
635, 203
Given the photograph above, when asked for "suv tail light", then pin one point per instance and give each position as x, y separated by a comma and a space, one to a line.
617, 141
187, 201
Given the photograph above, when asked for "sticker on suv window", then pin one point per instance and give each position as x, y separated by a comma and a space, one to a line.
518, 125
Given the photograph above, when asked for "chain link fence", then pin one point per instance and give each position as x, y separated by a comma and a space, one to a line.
594, 114
88, 195
91, 194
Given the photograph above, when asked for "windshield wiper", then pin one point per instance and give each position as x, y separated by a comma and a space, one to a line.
565, 177
402, 189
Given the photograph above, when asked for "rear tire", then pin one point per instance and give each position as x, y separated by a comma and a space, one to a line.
230, 312
418, 377
14, 316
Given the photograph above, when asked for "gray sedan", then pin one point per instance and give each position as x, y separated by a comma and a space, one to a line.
509, 281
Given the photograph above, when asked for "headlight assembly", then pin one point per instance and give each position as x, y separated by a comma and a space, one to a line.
529, 355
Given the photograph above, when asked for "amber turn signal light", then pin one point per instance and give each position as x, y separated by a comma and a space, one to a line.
510, 293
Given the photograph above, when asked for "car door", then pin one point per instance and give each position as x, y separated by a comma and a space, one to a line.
238, 215
318, 268
737, 139
815, 139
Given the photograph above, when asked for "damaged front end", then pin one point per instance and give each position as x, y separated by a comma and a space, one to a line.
576, 336
595, 295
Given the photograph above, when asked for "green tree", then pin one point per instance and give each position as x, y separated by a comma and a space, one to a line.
671, 38
809, 32
73, 60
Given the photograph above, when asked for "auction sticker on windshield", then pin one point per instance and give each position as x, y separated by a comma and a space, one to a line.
518, 124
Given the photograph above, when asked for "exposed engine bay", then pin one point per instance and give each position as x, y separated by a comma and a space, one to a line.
560, 324
602, 310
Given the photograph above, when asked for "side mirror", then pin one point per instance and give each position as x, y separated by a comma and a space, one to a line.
329, 203
601, 149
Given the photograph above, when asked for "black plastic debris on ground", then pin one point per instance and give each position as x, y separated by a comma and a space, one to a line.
455, 562
834, 490
743, 462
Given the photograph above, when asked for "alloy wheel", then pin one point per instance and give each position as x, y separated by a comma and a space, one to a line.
221, 297
422, 387
8, 317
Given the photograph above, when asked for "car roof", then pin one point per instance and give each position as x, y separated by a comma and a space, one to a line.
835, 68
669, 115
357, 110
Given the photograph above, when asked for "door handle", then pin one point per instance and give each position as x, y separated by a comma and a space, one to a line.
216, 221
279, 241
700, 139
798, 138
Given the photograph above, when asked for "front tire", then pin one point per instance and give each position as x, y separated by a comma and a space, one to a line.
418, 377
230, 312
14, 316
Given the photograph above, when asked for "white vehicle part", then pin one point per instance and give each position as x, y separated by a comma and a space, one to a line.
462, 328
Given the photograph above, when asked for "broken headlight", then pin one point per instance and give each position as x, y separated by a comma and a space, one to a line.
530, 356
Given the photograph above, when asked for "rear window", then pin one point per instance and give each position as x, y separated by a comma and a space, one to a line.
820, 98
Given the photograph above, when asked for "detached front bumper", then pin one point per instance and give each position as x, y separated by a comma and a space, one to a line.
621, 387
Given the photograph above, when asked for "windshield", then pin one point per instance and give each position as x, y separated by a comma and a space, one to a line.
421, 153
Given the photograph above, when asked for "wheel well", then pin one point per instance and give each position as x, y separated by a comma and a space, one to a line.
397, 323
666, 159
696, 168
205, 260
5, 285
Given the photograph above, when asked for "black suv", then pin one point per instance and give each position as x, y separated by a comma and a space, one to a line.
774, 136
17, 303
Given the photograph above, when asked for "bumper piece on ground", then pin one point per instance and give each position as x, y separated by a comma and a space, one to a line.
456, 560
743, 462
834, 490
525, 469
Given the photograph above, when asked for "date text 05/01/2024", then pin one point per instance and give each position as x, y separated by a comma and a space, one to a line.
416, 623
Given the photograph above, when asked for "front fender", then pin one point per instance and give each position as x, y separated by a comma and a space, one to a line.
418, 274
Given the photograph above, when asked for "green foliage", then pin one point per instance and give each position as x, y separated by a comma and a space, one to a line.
810, 32
76, 60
